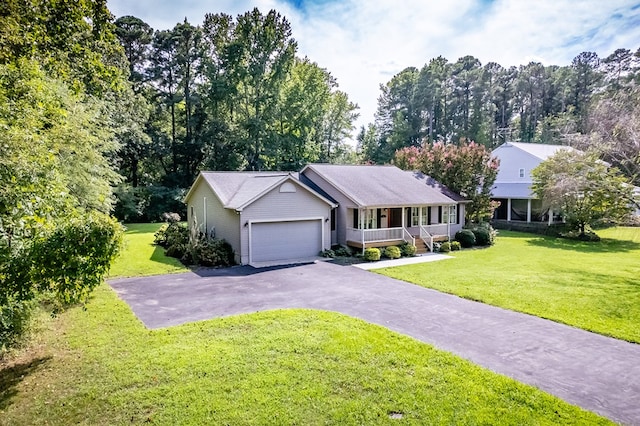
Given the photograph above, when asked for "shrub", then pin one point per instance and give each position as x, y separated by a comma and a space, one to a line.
371, 254
174, 234
436, 247
408, 250
392, 252
15, 320
466, 238
209, 252
445, 247
484, 233
455, 245
342, 251
160, 237
328, 253
170, 217
483, 238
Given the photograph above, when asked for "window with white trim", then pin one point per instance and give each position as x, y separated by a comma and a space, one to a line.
521, 173
371, 219
419, 216
449, 214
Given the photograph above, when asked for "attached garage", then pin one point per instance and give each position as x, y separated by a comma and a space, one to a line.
285, 240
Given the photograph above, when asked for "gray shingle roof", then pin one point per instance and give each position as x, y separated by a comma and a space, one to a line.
381, 186
236, 188
541, 151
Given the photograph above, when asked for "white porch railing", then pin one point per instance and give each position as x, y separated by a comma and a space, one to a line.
426, 236
364, 236
438, 229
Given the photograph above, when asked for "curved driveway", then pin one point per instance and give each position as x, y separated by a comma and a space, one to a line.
597, 373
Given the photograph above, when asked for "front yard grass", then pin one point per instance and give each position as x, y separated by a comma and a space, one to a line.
101, 366
140, 257
594, 286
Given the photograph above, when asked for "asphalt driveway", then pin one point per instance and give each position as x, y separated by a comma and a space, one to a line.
597, 373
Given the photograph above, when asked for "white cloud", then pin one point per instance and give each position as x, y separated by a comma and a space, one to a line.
363, 43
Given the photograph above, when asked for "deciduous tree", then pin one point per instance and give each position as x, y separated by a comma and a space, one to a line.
584, 188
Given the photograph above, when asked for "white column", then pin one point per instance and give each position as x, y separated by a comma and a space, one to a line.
550, 216
509, 209
529, 210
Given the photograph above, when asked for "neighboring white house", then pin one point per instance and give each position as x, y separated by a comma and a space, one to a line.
278, 217
513, 183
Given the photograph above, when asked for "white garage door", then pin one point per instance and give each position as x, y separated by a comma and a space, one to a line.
273, 241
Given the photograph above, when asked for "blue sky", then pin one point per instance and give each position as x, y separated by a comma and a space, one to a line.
363, 43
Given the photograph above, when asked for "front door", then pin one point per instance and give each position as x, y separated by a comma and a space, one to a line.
394, 218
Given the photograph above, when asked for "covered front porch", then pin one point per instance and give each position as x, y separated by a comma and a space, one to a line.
525, 210
417, 225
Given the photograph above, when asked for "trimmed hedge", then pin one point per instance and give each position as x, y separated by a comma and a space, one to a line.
371, 254
392, 252
466, 238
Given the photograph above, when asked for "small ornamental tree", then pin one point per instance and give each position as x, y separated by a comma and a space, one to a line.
584, 188
467, 168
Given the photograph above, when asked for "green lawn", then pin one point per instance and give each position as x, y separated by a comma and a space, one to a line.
101, 366
594, 286
140, 257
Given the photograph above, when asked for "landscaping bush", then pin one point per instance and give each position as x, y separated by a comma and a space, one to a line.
436, 247
342, 251
392, 252
328, 253
209, 252
484, 233
174, 234
455, 245
445, 247
483, 237
371, 254
408, 250
466, 238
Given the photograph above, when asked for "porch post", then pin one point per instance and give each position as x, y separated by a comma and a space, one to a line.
361, 220
403, 215
508, 209
529, 210
550, 216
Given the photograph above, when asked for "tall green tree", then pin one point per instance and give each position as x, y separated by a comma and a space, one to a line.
585, 189
264, 52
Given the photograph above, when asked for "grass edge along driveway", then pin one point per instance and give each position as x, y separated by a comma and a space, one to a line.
101, 366
593, 286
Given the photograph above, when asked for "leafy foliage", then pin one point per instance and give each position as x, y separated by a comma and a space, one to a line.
445, 247
468, 169
61, 75
408, 250
371, 254
585, 189
392, 252
466, 238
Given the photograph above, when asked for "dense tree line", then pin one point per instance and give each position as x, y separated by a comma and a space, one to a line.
62, 79
229, 94
443, 101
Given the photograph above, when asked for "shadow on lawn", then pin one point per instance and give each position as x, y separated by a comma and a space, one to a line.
606, 245
10, 377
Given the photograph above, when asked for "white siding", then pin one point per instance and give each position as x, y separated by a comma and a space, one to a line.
513, 159
282, 206
223, 222
343, 217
